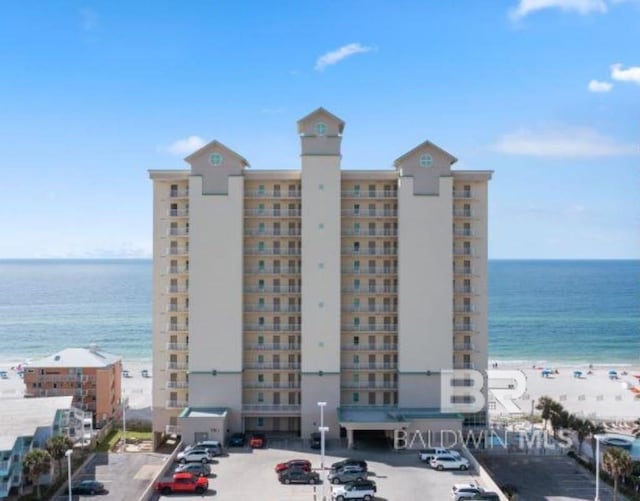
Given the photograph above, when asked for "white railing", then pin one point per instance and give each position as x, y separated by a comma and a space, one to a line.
463, 270
463, 347
370, 194
391, 251
381, 289
370, 212
283, 289
179, 193
177, 251
272, 327
178, 212
464, 327
282, 308
272, 212
175, 270
177, 347
462, 194
176, 404
266, 251
177, 289
464, 251
272, 346
179, 366
370, 347
464, 290
463, 213
371, 328
283, 270
365, 270
177, 327
272, 365
365, 308
463, 365
172, 385
463, 232
178, 232
464, 308
177, 308
281, 385
364, 232
273, 194
368, 384
367, 366
271, 407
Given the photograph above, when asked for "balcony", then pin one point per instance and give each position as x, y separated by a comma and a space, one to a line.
370, 366
176, 404
370, 194
173, 385
177, 270
463, 365
177, 251
178, 232
284, 213
271, 251
272, 327
273, 270
177, 328
271, 385
272, 346
465, 271
369, 347
178, 212
381, 289
371, 385
272, 308
271, 408
391, 251
464, 251
272, 365
283, 289
263, 232
464, 213
179, 193
464, 327
177, 366
379, 270
370, 213
463, 347
462, 194
465, 290
464, 308
463, 232
365, 308
273, 194
4, 466
177, 308
177, 289
370, 233
370, 328
177, 347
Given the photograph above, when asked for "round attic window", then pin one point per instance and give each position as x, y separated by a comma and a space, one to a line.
426, 160
321, 128
215, 159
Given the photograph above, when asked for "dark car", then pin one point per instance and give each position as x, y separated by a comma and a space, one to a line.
197, 469
363, 483
258, 441
350, 462
316, 440
90, 487
294, 464
237, 440
293, 476
486, 496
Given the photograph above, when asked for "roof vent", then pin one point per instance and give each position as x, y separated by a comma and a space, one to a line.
93, 347
56, 358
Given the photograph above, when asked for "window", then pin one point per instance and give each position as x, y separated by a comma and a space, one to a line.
260, 397
356, 284
215, 159
426, 160
260, 359
260, 378
356, 397
260, 339
261, 189
321, 128
260, 422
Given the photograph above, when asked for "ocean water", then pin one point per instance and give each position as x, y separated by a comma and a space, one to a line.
557, 311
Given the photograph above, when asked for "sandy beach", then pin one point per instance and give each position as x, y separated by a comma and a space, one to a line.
136, 388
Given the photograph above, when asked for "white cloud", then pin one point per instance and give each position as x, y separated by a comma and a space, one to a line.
562, 142
526, 7
631, 74
185, 146
88, 19
338, 55
597, 86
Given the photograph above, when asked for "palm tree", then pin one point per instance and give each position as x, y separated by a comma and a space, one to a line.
545, 404
57, 446
36, 463
617, 463
596, 429
582, 428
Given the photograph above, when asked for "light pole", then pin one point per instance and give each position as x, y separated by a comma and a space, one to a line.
597, 437
323, 430
68, 454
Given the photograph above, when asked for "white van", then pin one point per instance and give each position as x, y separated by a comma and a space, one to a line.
427, 455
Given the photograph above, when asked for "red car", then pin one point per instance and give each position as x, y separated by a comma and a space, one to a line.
296, 464
182, 482
258, 441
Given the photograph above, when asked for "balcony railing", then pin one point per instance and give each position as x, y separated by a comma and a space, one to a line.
273, 408
463, 347
370, 194
367, 270
273, 270
272, 212
463, 365
365, 308
177, 347
391, 251
370, 384
263, 232
370, 347
283, 289
178, 212
464, 251
177, 366
4, 466
177, 308
178, 251
271, 251
286, 385
364, 366
464, 308
178, 232
463, 232
380, 289
273, 365
464, 327
272, 327
364, 232
462, 194
177, 327
179, 193
463, 270
272, 346
370, 212
273, 194
370, 328
177, 289
464, 290
464, 213
272, 308
176, 404
172, 385
177, 270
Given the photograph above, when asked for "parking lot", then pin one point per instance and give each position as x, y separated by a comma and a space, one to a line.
246, 474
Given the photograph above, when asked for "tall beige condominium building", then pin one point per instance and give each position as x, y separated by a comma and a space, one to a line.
278, 289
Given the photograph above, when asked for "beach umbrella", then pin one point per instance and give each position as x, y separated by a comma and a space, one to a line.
613, 372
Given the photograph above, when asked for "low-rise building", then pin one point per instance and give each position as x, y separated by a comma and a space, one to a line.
93, 378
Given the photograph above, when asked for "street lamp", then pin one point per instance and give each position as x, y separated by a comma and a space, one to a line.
597, 437
322, 430
68, 454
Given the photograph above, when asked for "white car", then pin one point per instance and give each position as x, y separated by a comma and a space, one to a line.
449, 462
427, 455
354, 490
465, 491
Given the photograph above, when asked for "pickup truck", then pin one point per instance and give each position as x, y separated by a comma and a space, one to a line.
182, 482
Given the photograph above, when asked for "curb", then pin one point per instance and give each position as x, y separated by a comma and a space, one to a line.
148, 493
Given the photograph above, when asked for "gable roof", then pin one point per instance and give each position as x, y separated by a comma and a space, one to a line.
321, 111
76, 357
213, 145
425, 144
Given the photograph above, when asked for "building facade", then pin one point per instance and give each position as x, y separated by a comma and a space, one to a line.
275, 290
93, 378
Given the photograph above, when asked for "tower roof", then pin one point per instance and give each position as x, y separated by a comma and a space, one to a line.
320, 113
426, 145
216, 145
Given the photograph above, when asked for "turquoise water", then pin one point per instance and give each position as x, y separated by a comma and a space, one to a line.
570, 311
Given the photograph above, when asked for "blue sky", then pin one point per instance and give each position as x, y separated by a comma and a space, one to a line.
544, 92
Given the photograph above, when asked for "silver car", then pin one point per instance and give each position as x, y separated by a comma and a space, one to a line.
347, 474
